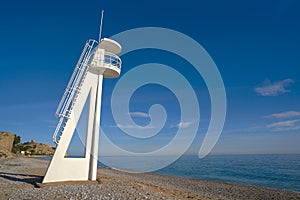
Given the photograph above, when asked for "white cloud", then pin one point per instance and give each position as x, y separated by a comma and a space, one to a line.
284, 115
273, 89
244, 130
289, 125
133, 127
50, 121
183, 125
139, 114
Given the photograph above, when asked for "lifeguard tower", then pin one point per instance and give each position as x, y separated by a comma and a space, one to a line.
98, 60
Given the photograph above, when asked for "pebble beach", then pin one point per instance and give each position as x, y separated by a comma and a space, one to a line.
20, 178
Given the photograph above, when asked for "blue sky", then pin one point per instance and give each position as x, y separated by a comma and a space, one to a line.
255, 45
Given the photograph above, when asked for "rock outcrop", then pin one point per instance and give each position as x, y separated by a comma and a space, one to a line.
6, 144
33, 148
6, 141
9, 149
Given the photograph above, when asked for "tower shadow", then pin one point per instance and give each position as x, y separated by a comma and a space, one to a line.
25, 178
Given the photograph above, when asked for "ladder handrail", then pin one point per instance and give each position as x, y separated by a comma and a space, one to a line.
66, 93
70, 95
71, 92
75, 79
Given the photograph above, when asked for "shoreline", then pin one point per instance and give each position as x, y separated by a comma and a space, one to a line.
18, 178
233, 173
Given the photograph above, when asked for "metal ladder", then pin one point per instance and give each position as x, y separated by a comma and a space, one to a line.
72, 91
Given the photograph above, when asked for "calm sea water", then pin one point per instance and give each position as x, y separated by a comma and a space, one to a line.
273, 171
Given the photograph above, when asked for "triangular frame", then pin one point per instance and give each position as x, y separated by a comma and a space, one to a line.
79, 169
78, 139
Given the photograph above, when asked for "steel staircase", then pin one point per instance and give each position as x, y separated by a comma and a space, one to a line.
72, 91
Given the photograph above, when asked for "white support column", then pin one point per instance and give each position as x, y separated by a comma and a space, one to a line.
96, 130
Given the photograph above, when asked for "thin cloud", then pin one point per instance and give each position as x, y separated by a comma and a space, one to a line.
289, 125
17, 123
139, 114
182, 125
133, 127
287, 114
50, 121
274, 89
245, 130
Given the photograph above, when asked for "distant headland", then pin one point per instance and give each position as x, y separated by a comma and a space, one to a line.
11, 146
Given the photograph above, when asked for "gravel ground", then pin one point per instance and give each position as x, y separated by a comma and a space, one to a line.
18, 178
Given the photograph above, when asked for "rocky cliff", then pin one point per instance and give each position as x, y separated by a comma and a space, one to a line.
9, 149
6, 144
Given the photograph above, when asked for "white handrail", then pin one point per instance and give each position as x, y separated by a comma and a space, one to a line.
69, 97
110, 58
75, 80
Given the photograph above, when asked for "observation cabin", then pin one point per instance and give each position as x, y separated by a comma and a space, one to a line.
104, 59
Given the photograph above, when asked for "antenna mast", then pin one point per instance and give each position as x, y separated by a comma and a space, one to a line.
101, 22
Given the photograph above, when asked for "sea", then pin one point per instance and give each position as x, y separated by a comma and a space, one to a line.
278, 171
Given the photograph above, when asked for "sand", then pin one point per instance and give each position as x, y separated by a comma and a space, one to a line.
20, 178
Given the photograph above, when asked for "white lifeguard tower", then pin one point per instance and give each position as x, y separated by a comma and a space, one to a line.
98, 60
